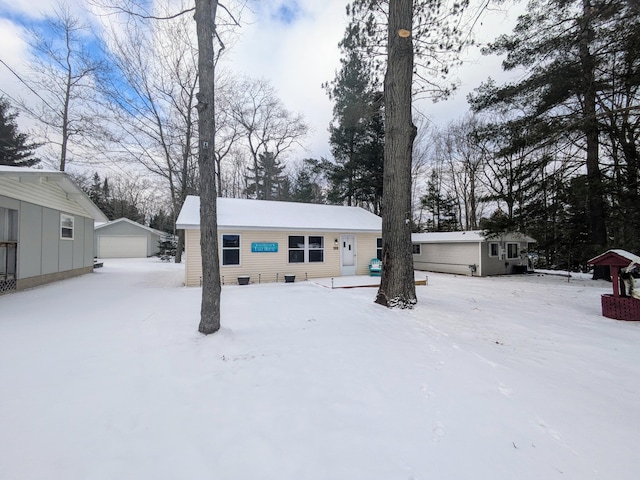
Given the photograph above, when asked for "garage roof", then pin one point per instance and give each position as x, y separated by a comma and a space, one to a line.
131, 222
468, 236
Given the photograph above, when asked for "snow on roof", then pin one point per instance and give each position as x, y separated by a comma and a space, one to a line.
474, 236
128, 220
263, 214
438, 237
622, 253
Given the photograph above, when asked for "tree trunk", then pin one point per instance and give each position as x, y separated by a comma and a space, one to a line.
210, 308
397, 285
598, 228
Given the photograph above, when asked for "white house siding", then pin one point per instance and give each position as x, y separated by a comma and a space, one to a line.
269, 266
447, 258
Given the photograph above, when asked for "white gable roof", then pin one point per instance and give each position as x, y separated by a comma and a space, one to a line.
247, 214
48, 188
131, 222
466, 236
448, 237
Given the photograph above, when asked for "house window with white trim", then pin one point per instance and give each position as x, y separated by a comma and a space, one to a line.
66, 226
230, 250
416, 248
379, 248
316, 249
306, 249
296, 248
494, 249
512, 251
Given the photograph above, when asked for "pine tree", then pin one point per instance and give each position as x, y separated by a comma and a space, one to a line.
265, 180
14, 149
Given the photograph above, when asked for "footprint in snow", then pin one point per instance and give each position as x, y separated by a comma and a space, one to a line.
438, 431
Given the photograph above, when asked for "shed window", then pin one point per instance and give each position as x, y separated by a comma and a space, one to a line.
379, 248
66, 226
416, 249
230, 249
512, 250
494, 249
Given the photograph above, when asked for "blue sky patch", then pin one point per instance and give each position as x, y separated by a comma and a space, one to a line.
288, 12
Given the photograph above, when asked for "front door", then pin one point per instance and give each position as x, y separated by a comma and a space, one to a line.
348, 254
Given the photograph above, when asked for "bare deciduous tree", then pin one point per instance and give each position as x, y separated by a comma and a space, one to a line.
264, 123
62, 71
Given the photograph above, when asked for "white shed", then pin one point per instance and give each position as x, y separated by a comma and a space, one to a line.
471, 252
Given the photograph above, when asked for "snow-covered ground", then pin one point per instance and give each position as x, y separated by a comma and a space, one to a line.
105, 377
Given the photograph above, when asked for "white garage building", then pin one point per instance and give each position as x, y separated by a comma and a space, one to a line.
124, 238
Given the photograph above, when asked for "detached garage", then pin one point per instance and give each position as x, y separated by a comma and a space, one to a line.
124, 238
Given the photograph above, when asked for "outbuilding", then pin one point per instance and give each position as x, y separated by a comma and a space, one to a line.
267, 241
46, 228
124, 238
471, 252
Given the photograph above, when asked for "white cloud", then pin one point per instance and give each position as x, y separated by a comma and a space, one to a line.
296, 53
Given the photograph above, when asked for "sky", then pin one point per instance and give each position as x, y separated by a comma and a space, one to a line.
513, 377
291, 43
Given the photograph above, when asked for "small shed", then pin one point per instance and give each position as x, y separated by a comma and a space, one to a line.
471, 252
615, 305
124, 238
271, 241
46, 228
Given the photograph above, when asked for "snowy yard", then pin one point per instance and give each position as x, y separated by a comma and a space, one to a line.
105, 377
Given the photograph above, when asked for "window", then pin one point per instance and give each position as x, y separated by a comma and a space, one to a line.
416, 249
494, 249
66, 226
309, 249
379, 248
512, 250
296, 249
230, 249
316, 249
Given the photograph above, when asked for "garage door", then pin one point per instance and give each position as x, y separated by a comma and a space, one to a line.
122, 246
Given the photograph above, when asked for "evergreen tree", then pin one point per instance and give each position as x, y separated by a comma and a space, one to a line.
568, 48
265, 180
357, 131
305, 186
14, 149
442, 207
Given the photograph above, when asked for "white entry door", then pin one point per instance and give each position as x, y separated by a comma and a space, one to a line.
348, 254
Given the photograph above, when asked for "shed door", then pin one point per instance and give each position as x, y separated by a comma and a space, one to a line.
348, 254
126, 246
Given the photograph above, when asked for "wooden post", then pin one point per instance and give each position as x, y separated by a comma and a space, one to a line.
615, 279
